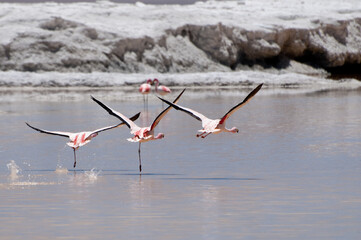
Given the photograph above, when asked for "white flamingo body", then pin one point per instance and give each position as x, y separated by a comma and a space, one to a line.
145, 88
141, 134
161, 89
79, 139
214, 125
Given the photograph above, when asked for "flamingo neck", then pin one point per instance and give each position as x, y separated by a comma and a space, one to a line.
156, 84
159, 136
233, 130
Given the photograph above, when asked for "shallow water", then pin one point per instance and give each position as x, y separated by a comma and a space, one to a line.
292, 172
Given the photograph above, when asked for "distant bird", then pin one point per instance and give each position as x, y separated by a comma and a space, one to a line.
79, 139
217, 125
145, 90
144, 134
161, 89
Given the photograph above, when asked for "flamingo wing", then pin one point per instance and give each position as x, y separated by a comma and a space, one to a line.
189, 111
57, 133
238, 106
107, 128
164, 112
114, 113
135, 117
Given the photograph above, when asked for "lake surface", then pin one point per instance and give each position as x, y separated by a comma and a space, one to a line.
292, 172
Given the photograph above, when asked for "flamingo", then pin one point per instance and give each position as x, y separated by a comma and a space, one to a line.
145, 89
143, 134
79, 139
161, 90
217, 125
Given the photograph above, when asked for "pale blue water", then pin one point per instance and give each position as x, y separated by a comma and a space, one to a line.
292, 172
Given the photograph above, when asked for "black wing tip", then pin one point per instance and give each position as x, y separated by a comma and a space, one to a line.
259, 87
135, 117
166, 101
29, 125
93, 98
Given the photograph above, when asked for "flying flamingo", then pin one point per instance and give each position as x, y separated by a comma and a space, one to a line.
79, 139
143, 134
145, 89
217, 125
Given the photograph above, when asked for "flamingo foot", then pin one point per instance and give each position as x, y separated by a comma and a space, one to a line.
203, 136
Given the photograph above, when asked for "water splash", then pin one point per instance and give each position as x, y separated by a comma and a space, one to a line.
61, 170
14, 170
92, 174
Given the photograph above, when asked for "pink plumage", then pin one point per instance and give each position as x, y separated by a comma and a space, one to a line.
161, 89
145, 87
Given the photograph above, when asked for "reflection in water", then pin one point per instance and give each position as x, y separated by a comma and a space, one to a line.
209, 201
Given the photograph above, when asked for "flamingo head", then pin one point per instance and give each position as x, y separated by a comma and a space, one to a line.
155, 80
234, 130
160, 136
149, 81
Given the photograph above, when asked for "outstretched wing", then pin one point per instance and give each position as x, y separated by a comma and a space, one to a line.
123, 118
189, 111
164, 112
238, 106
63, 134
107, 128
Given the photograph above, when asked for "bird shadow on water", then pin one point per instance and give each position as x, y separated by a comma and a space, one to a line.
145, 174
127, 172
215, 179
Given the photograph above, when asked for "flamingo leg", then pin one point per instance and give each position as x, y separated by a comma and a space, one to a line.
147, 102
74, 158
144, 101
203, 136
140, 160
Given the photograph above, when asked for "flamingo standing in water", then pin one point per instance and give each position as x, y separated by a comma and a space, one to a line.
161, 89
217, 125
143, 134
145, 90
79, 139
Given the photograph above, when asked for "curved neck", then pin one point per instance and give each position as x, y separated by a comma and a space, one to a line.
156, 83
159, 136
